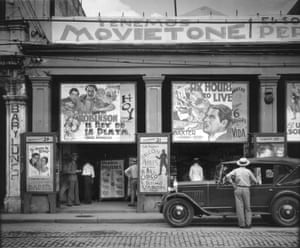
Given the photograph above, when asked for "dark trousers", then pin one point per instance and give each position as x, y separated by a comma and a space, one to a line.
88, 189
73, 190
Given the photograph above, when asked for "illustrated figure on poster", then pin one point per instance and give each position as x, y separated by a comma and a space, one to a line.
70, 104
265, 150
191, 107
88, 174
34, 165
163, 163
44, 170
196, 171
70, 180
217, 123
243, 178
295, 101
88, 99
132, 173
104, 101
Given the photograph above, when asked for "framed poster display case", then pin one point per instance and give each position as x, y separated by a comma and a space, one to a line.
153, 163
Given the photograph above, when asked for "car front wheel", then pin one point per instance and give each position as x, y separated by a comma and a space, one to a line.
178, 212
285, 211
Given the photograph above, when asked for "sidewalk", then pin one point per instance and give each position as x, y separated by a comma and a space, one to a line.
98, 212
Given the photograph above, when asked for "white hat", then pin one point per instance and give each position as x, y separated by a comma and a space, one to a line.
243, 162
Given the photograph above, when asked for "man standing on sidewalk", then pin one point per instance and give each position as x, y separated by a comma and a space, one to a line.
132, 173
241, 184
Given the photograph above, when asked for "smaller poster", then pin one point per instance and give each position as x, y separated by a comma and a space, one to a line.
40, 163
269, 145
154, 163
293, 112
112, 179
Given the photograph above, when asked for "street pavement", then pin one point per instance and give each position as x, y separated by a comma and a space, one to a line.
117, 225
155, 235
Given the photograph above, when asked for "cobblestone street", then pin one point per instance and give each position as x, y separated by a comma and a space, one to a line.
150, 236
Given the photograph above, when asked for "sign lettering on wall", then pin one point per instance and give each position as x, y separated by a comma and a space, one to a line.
98, 112
175, 31
210, 111
293, 111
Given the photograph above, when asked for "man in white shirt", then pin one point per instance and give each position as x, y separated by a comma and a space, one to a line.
196, 171
88, 174
132, 173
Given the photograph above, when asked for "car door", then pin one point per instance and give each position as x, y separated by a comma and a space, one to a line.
221, 194
263, 192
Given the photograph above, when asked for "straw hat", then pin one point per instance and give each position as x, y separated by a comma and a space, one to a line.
243, 162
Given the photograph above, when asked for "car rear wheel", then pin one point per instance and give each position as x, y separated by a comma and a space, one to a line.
178, 212
285, 211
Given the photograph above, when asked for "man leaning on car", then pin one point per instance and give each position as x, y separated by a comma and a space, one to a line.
241, 183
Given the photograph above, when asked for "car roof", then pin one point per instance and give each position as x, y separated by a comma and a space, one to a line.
294, 162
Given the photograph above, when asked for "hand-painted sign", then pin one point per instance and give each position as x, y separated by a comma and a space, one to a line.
210, 111
98, 112
154, 165
172, 31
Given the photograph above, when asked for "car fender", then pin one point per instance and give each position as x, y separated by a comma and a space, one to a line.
189, 199
284, 193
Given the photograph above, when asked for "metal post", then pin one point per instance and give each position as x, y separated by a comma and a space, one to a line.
175, 7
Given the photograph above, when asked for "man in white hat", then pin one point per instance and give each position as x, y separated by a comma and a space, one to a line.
243, 178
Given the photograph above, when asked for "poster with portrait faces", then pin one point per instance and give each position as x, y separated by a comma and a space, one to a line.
39, 167
98, 112
293, 111
210, 111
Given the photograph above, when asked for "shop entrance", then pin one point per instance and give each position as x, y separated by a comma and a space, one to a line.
109, 162
209, 155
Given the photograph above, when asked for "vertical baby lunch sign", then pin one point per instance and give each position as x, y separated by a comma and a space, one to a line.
154, 162
39, 149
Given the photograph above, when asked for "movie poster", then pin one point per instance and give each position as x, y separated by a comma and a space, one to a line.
293, 112
154, 164
112, 179
210, 111
39, 167
98, 112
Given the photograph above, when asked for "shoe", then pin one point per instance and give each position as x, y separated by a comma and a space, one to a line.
248, 226
131, 205
242, 226
77, 204
69, 205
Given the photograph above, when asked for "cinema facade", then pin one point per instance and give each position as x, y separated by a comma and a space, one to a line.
158, 78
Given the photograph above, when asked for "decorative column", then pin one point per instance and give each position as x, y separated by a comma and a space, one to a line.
153, 104
41, 104
16, 124
268, 103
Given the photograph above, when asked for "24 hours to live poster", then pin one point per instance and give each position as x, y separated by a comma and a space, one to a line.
210, 111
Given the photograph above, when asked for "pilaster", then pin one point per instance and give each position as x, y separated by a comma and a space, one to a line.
268, 103
153, 103
41, 104
16, 124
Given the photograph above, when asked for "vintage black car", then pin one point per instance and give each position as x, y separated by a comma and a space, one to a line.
275, 198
